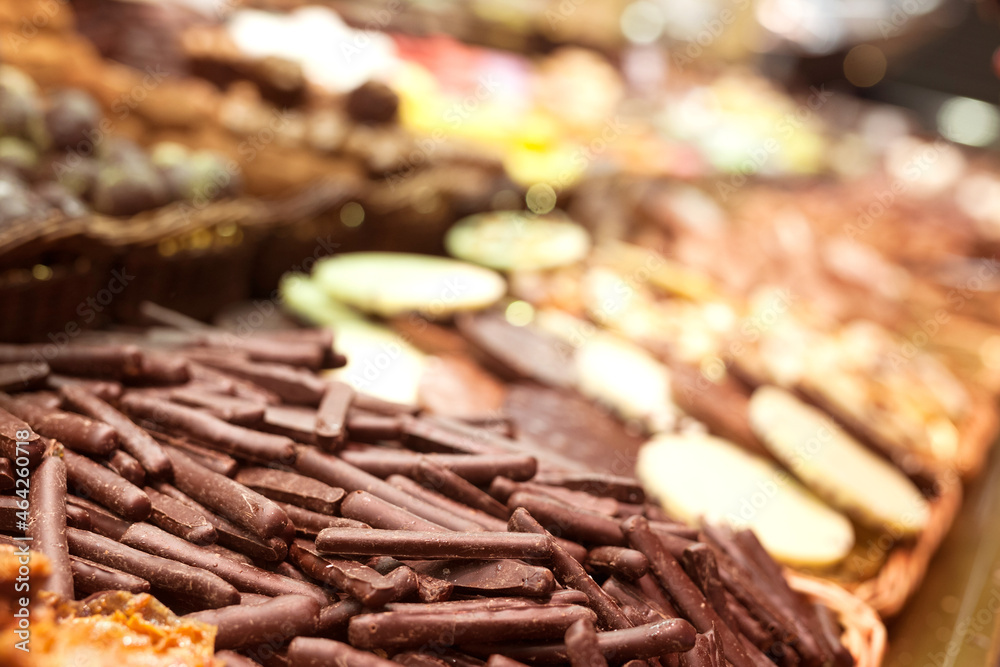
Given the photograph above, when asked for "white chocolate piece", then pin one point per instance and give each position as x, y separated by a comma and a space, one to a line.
387, 284
834, 465
700, 477
515, 241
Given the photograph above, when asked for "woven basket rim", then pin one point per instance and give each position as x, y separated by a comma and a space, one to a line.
864, 633
178, 218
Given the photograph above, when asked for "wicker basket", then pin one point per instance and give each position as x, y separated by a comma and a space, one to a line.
62, 276
905, 566
864, 634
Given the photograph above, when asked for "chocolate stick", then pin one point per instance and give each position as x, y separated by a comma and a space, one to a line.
227, 408
690, 601
229, 534
293, 489
18, 441
359, 581
571, 574
293, 385
624, 489
106, 487
133, 439
90, 578
334, 618
447, 504
102, 389
311, 523
47, 522
230, 438
369, 427
247, 509
698, 562
276, 620
101, 520
340, 473
432, 545
315, 652
496, 577
377, 513
23, 376
447, 483
627, 563
582, 646
566, 521
179, 519
395, 631
197, 586
332, 415
128, 467
74, 431
216, 461
248, 578
618, 646
478, 469
103, 361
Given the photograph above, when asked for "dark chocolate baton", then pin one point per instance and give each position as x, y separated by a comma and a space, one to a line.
292, 488
47, 522
396, 631
572, 574
74, 431
134, 440
316, 652
618, 646
331, 415
582, 646
90, 578
106, 487
244, 577
247, 509
627, 563
232, 439
430, 545
276, 620
690, 601
199, 587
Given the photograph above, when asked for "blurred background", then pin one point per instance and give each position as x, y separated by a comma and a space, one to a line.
209, 147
